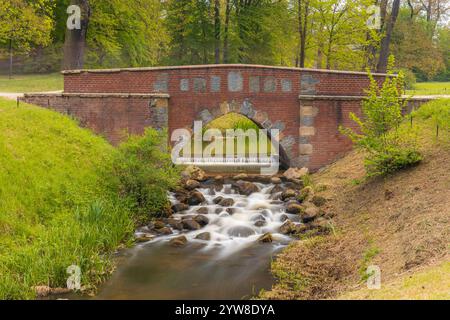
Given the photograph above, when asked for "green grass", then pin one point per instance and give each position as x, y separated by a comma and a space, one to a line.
371, 252
57, 206
430, 88
232, 120
438, 113
31, 83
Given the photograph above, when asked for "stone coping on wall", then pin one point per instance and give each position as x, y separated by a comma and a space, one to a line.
100, 95
349, 98
215, 66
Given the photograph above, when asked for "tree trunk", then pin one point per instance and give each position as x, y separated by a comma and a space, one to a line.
299, 14
411, 9
226, 30
75, 40
319, 57
384, 51
371, 49
10, 59
217, 31
303, 8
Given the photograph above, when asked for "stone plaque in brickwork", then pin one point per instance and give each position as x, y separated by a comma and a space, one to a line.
308, 84
270, 84
162, 83
254, 84
307, 121
160, 118
286, 85
235, 81
199, 85
215, 83
184, 84
306, 149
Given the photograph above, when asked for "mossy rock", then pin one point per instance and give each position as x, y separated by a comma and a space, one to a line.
319, 201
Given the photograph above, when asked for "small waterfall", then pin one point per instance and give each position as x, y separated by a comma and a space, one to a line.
234, 227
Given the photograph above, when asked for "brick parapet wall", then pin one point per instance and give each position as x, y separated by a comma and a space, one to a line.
307, 105
110, 115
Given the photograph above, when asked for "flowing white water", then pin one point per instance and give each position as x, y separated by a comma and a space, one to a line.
233, 228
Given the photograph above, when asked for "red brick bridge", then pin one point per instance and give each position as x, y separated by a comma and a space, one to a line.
306, 105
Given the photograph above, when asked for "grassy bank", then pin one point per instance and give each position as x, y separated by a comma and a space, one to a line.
32, 83
432, 283
399, 222
430, 88
60, 203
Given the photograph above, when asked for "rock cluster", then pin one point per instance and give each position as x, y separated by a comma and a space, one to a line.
308, 207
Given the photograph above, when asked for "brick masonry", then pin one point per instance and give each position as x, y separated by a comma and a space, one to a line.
113, 102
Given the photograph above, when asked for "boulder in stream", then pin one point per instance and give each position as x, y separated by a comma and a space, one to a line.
191, 224
226, 202
276, 189
144, 237
311, 212
294, 208
275, 180
295, 173
195, 198
194, 173
178, 241
230, 210
305, 194
288, 194
202, 210
319, 201
158, 224
201, 220
245, 188
192, 184
206, 236
164, 231
179, 207
218, 199
288, 227
266, 238
240, 176
175, 224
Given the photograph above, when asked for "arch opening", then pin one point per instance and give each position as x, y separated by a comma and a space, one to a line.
236, 121
243, 139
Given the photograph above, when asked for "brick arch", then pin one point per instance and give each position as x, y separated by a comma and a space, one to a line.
260, 118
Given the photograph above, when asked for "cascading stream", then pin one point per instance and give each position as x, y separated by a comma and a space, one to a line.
237, 226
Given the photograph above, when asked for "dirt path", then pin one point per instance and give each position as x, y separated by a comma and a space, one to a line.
15, 95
